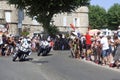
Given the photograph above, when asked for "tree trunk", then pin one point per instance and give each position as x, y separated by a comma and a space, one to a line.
46, 22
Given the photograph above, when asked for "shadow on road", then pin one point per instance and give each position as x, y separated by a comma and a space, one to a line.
40, 62
27, 59
48, 55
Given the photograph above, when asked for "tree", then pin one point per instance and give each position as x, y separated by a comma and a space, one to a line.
97, 17
25, 32
43, 10
114, 16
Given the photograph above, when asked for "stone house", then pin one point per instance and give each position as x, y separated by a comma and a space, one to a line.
9, 14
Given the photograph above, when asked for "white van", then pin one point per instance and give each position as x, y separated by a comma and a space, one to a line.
106, 32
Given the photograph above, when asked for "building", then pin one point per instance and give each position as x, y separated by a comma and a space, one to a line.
79, 19
9, 14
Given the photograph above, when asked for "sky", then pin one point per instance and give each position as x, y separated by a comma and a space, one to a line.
106, 4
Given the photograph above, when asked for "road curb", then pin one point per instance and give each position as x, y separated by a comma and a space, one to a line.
102, 66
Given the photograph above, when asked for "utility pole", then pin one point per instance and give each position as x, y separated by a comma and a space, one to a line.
20, 19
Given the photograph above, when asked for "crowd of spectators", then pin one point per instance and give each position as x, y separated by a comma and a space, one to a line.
101, 49
9, 42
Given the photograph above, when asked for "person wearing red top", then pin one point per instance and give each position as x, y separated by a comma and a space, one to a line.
88, 45
88, 38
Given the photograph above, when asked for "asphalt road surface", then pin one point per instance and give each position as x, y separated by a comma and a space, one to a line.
58, 65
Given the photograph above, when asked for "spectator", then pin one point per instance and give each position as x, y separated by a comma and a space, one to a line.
88, 45
76, 48
33, 44
105, 47
110, 56
1, 43
117, 52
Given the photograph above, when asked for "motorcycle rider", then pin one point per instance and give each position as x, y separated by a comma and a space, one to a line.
26, 43
44, 45
23, 49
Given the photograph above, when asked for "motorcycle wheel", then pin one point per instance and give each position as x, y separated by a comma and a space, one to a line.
44, 53
38, 54
21, 58
14, 57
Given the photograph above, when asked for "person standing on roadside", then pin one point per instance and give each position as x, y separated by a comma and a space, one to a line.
117, 52
1, 43
105, 47
110, 55
76, 48
88, 44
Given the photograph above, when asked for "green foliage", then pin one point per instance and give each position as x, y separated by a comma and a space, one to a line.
97, 17
25, 32
45, 9
52, 30
114, 16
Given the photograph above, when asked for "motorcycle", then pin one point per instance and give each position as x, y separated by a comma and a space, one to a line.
44, 50
21, 52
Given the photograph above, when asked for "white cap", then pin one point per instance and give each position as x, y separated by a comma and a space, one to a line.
72, 37
28, 40
74, 33
101, 35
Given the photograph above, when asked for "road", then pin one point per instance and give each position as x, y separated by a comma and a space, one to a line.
58, 65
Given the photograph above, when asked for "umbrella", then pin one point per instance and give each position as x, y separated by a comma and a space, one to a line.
93, 32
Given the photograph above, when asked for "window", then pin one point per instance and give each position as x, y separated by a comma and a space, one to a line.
64, 21
8, 16
1, 14
76, 22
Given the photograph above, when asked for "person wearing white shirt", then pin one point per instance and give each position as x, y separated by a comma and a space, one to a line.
44, 46
44, 43
105, 47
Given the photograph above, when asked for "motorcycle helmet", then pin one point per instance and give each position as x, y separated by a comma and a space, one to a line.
28, 40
